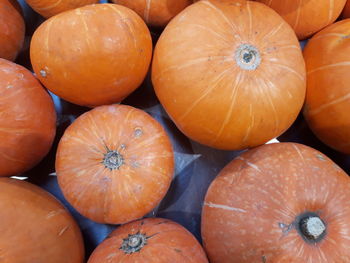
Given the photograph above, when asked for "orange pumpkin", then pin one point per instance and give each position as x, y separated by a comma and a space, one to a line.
48, 8
27, 119
346, 10
114, 164
327, 104
282, 203
156, 12
153, 240
11, 29
35, 227
307, 16
102, 64
228, 81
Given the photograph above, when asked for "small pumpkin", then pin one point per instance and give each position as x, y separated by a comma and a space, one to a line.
48, 8
36, 227
222, 71
327, 104
307, 16
282, 202
156, 12
12, 29
27, 119
103, 64
153, 240
346, 10
114, 164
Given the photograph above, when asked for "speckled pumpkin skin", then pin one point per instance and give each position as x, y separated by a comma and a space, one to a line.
250, 209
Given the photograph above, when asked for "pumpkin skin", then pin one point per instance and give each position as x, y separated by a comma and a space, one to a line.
226, 102
48, 233
328, 101
149, 240
253, 209
103, 64
48, 8
301, 15
156, 12
11, 29
114, 164
28, 119
346, 10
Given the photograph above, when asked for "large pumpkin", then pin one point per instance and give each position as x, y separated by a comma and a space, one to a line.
27, 119
11, 29
35, 227
346, 10
93, 55
280, 203
114, 164
327, 103
48, 8
223, 72
307, 16
156, 12
153, 240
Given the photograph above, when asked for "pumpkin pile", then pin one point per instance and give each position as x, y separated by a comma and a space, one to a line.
229, 75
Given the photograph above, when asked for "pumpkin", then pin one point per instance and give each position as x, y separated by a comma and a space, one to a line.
104, 63
156, 12
27, 119
222, 71
346, 10
282, 202
48, 8
35, 227
327, 102
114, 164
153, 240
11, 29
307, 16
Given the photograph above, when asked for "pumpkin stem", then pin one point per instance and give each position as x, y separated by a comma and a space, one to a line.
311, 227
247, 57
133, 243
113, 160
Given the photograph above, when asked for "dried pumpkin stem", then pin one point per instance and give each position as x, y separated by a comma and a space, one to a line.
247, 57
134, 243
311, 227
113, 160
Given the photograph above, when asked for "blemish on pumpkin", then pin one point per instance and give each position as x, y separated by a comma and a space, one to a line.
43, 73
138, 132
263, 258
285, 228
178, 250
163, 222
54, 213
9, 87
123, 146
135, 164
336, 166
63, 230
112, 255
320, 157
